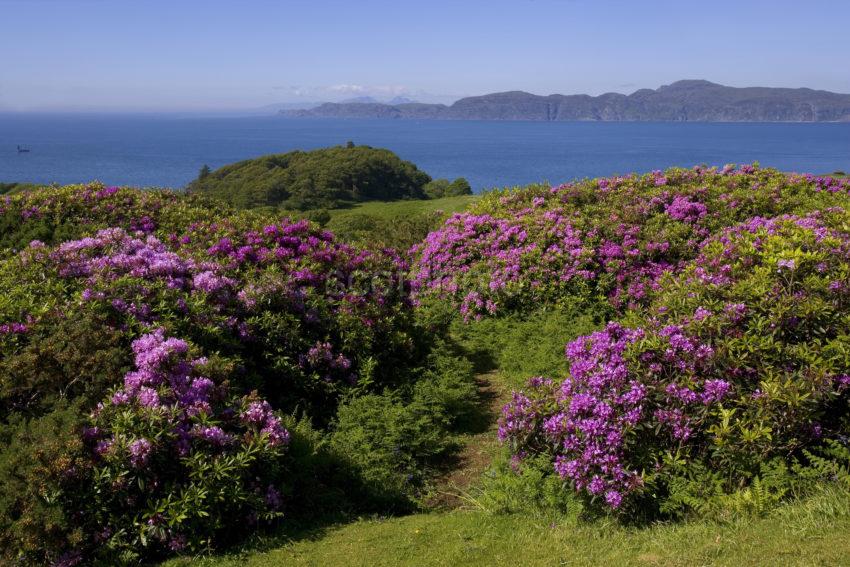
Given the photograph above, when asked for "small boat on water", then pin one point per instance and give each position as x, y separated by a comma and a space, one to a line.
22, 150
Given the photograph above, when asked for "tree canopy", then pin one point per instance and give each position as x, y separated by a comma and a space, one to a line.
439, 188
321, 178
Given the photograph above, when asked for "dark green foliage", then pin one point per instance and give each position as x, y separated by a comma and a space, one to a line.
75, 356
439, 188
829, 462
397, 440
315, 179
41, 474
699, 490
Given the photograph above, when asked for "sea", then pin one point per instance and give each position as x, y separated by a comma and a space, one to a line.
168, 150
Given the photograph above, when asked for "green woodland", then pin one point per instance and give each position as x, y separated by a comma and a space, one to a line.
321, 179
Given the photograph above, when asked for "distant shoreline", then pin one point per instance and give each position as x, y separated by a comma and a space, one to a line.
682, 101
413, 119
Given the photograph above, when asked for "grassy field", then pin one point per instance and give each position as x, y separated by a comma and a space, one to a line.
398, 224
813, 532
394, 209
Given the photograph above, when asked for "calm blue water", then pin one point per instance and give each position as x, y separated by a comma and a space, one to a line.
168, 151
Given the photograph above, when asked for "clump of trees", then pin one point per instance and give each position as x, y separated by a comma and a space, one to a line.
444, 188
324, 178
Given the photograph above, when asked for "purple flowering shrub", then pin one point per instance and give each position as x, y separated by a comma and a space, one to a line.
337, 316
608, 238
305, 317
183, 452
179, 460
57, 214
740, 359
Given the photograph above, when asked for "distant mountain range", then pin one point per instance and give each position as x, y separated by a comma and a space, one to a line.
372, 100
682, 101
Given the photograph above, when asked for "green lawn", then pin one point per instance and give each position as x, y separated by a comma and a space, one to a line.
397, 224
395, 209
813, 532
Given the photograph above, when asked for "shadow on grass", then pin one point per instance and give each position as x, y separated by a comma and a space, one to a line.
286, 533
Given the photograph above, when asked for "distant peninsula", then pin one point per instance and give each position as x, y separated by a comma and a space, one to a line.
682, 101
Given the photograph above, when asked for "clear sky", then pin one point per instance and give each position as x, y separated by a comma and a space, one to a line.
209, 54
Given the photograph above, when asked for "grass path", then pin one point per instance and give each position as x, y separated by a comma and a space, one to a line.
404, 208
808, 533
478, 449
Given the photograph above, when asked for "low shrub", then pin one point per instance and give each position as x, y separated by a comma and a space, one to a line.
520, 345
43, 468
527, 486
398, 440
400, 232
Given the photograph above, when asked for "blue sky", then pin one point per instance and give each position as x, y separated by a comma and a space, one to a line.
211, 54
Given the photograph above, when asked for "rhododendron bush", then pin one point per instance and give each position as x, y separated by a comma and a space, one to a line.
180, 349
741, 357
58, 214
178, 459
608, 238
306, 318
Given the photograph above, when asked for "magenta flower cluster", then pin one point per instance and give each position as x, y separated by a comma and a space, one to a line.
167, 415
616, 236
167, 381
745, 318
598, 405
592, 418
290, 268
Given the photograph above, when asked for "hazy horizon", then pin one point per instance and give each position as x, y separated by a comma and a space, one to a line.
155, 56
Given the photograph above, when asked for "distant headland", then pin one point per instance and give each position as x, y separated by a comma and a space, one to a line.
682, 101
